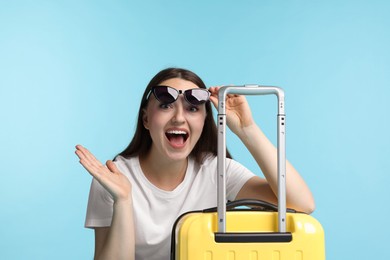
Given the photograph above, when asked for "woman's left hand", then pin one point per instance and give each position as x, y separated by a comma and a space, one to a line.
238, 113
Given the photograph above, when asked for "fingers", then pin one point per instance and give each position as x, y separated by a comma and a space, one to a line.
215, 89
214, 100
231, 98
214, 95
85, 154
89, 162
112, 167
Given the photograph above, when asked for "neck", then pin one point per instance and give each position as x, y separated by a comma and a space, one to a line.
165, 175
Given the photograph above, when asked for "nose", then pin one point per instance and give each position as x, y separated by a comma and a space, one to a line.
179, 112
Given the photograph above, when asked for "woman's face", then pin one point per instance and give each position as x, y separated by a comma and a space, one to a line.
174, 128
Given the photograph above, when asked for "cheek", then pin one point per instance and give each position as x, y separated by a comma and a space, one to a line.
198, 125
152, 116
151, 121
156, 122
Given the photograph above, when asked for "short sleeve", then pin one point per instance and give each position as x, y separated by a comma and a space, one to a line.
100, 207
236, 176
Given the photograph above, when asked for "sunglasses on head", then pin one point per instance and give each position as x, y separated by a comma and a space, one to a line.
167, 95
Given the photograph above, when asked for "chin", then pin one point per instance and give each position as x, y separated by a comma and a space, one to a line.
178, 155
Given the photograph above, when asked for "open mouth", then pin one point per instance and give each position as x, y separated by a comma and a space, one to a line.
177, 137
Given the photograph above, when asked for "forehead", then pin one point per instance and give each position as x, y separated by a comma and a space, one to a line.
179, 84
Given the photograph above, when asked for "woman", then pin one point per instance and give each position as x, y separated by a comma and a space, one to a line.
170, 168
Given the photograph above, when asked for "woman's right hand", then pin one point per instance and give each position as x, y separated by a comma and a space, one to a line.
107, 175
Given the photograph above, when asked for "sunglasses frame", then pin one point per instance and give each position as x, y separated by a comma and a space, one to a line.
179, 92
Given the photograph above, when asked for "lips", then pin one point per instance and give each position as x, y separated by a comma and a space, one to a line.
177, 138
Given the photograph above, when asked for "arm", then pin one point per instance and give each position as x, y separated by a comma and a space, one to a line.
116, 241
240, 121
298, 193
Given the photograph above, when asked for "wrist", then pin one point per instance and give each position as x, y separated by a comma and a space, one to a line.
249, 133
123, 201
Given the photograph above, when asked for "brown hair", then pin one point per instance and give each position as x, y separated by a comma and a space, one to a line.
141, 142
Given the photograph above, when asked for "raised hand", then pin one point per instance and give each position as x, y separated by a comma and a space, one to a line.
107, 175
238, 112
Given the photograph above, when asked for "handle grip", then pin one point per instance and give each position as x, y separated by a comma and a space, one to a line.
253, 204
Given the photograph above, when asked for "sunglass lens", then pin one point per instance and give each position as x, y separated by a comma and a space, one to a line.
165, 95
197, 96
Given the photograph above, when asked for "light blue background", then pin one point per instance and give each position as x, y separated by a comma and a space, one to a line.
73, 72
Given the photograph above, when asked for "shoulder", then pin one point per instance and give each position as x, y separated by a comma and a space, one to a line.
127, 165
208, 159
123, 160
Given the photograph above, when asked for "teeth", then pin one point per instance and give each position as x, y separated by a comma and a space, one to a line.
176, 132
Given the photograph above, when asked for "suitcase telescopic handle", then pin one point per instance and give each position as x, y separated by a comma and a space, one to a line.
281, 141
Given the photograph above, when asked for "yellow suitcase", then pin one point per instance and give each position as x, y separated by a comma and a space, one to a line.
251, 234
263, 232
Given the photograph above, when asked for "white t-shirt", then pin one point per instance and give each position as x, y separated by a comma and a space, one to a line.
156, 210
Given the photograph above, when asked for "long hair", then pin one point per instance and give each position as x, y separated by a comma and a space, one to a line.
141, 142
